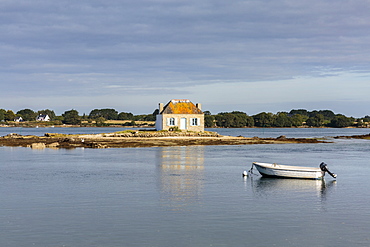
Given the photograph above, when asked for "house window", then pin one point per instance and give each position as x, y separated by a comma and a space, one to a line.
194, 122
171, 121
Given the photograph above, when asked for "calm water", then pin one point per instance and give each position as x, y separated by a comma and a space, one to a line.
185, 196
248, 132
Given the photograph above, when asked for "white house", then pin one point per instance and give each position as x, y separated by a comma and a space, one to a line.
180, 114
43, 118
18, 119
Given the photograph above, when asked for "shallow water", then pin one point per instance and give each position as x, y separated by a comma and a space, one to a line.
185, 196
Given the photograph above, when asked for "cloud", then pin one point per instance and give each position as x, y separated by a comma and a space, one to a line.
169, 47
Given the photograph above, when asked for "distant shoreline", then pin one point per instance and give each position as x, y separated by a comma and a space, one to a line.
152, 127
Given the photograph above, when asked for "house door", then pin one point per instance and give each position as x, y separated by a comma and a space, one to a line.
183, 124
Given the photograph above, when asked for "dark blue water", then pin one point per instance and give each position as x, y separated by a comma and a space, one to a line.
185, 196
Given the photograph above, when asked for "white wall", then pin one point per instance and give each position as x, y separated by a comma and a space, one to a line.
159, 122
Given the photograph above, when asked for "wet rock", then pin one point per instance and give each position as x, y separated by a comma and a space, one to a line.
38, 145
53, 145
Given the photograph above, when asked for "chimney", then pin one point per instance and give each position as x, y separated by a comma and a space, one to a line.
199, 106
160, 107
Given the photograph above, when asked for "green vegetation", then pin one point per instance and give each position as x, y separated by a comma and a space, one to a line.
108, 114
234, 119
27, 114
97, 117
294, 118
71, 117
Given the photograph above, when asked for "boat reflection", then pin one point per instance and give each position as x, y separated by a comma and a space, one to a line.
181, 175
263, 186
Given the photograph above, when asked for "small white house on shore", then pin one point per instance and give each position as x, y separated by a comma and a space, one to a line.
180, 114
18, 119
43, 118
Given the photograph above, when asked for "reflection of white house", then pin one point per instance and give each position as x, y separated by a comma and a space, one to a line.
181, 176
181, 114
44, 118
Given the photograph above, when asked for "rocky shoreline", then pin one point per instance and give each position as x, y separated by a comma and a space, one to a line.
367, 136
140, 139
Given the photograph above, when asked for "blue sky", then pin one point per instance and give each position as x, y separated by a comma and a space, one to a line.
250, 56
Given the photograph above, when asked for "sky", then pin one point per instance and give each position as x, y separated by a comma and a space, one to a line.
241, 55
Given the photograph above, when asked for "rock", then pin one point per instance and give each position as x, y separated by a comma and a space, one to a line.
38, 145
53, 145
281, 137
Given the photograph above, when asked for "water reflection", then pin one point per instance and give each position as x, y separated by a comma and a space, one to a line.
181, 175
263, 186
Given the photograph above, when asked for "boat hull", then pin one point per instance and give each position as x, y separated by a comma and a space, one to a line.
275, 170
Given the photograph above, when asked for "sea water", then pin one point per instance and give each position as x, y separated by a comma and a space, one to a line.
186, 196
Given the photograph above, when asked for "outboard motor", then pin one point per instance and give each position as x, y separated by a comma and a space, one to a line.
324, 168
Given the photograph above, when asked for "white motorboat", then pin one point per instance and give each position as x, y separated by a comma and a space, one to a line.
276, 170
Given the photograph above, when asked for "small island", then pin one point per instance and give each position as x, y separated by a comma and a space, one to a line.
136, 138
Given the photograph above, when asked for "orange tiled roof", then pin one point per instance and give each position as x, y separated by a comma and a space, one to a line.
184, 106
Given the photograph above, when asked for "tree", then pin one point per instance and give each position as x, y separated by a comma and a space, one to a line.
144, 117
109, 114
95, 114
228, 120
235, 119
282, 120
315, 121
150, 117
328, 114
241, 119
209, 121
249, 121
219, 119
100, 121
9, 115
27, 114
71, 117
125, 116
2, 114
298, 119
341, 121
302, 112
263, 119
153, 116
364, 119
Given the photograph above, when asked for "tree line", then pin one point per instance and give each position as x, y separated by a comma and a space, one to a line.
73, 117
294, 118
235, 119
